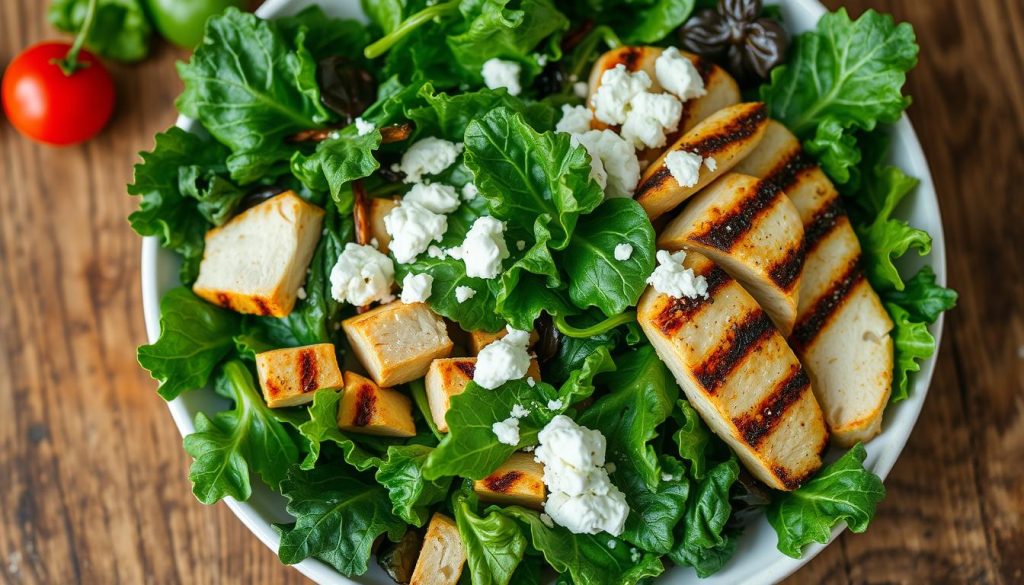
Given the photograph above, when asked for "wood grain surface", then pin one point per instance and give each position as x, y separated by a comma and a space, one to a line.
93, 484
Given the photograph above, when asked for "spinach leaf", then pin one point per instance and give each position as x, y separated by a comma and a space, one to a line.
494, 543
326, 36
194, 337
573, 352
386, 14
338, 515
596, 278
701, 541
692, 438
580, 383
120, 29
653, 513
411, 494
447, 115
252, 85
655, 22
225, 447
592, 559
842, 491
642, 395
323, 426
216, 196
337, 161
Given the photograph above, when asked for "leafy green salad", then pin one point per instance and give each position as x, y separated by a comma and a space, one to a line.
473, 280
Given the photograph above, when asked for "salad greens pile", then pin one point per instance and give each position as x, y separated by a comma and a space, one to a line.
252, 87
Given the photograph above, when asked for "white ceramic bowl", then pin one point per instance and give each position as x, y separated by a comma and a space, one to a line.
757, 561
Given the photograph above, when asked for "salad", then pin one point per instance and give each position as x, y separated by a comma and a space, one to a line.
496, 289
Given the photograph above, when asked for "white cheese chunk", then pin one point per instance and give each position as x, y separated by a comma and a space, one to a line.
575, 119
362, 275
684, 166
469, 192
618, 161
484, 248
623, 252
436, 197
416, 288
412, 227
503, 360
711, 164
676, 74
581, 89
671, 278
651, 116
499, 73
464, 293
618, 88
519, 411
363, 127
429, 156
507, 431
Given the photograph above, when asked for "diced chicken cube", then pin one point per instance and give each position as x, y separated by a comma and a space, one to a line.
442, 556
396, 342
369, 409
256, 262
519, 481
291, 376
379, 207
448, 377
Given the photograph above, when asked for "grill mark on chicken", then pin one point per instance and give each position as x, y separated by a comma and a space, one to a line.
738, 128
743, 340
790, 480
729, 228
756, 427
466, 367
785, 272
677, 312
823, 222
308, 373
224, 300
366, 402
261, 306
502, 483
815, 319
629, 57
787, 173
272, 388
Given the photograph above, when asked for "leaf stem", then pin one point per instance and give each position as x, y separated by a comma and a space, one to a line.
595, 329
584, 51
407, 26
70, 63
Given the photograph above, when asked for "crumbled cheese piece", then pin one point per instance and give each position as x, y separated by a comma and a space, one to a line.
618, 161
677, 74
519, 411
597, 172
556, 404
520, 245
469, 192
363, 127
547, 521
464, 293
507, 431
635, 555
436, 197
530, 381
301, 293
651, 115
623, 252
684, 166
581, 89
362, 275
484, 248
673, 279
412, 227
375, 243
581, 497
575, 119
711, 164
499, 73
612, 543
618, 88
416, 288
541, 59
428, 156
610, 467
435, 252
503, 360
667, 477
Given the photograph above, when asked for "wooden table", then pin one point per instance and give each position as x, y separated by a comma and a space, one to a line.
93, 484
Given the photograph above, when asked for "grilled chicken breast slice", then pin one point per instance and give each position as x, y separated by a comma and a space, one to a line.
741, 376
842, 328
727, 137
753, 231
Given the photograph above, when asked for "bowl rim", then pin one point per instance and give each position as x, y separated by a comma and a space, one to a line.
781, 566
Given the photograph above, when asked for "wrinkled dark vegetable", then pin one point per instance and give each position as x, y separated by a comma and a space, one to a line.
549, 339
345, 88
739, 36
550, 81
398, 560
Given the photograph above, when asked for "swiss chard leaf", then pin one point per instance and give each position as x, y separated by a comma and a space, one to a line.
842, 491
411, 494
120, 29
701, 541
494, 543
338, 516
194, 337
225, 447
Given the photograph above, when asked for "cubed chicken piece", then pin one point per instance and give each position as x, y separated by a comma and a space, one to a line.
478, 340
378, 208
442, 556
396, 342
291, 376
256, 262
518, 482
448, 377
371, 410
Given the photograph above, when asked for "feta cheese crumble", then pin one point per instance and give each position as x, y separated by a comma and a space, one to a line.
436, 197
412, 227
671, 278
555, 404
520, 245
484, 248
684, 166
677, 74
464, 293
581, 496
362, 275
547, 521
530, 381
428, 156
435, 252
499, 73
618, 161
623, 252
575, 119
519, 411
469, 192
507, 431
711, 164
503, 360
651, 116
363, 127
416, 288
581, 89
301, 293
618, 88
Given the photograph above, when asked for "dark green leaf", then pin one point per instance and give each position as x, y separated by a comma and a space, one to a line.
692, 439
447, 115
654, 23
653, 513
411, 494
494, 543
120, 29
323, 426
337, 161
922, 298
703, 543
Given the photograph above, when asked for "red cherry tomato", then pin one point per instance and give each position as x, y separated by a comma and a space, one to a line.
46, 105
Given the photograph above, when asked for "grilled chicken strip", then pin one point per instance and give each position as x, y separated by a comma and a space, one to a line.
842, 329
727, 137
741, 376
753, 231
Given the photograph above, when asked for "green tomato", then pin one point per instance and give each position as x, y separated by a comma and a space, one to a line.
182, 21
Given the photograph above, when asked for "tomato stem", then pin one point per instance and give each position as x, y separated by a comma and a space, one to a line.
70, 63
